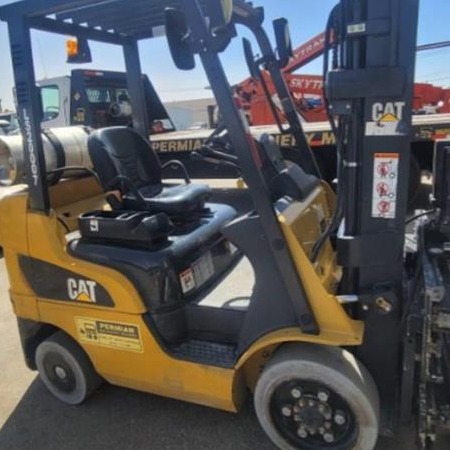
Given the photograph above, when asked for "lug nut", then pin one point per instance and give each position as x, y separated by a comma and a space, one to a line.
339, 418
328, 425
286, 411
311, 403
328, 437
323, 396
296, 393
302, 433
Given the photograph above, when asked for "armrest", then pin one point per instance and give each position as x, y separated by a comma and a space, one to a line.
175, 162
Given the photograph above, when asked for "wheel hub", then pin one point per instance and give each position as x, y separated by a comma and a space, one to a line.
60, 372
311, 416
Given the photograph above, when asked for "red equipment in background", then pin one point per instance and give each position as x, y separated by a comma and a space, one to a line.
429, 99
307, 90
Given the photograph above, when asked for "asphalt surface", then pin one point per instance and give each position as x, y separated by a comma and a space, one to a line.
116, 418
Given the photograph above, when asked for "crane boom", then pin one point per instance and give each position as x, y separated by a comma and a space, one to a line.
306, 53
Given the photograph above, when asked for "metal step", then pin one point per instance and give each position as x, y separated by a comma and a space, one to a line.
208, 353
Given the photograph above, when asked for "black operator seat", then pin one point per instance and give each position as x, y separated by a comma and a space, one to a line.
125, 161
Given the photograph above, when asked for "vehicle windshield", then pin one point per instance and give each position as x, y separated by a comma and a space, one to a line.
104, 94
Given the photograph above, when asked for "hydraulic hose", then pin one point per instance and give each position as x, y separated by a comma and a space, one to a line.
339, 131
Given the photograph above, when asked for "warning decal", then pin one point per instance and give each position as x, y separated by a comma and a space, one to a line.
198, 274
122, 336
385, 181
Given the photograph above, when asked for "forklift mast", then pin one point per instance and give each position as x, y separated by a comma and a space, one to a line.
369, 91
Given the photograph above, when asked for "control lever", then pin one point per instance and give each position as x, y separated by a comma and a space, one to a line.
114, 199
210, 152
124, 185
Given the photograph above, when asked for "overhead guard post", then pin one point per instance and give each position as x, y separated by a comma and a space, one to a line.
29, 112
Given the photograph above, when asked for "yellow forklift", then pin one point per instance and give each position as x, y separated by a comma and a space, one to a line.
115, 275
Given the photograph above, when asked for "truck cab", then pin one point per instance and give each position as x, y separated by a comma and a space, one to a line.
97, 99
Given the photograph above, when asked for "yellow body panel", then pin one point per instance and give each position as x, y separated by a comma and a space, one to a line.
152, 370
14, 240
44, 237
144, 365
300, 226
70, 199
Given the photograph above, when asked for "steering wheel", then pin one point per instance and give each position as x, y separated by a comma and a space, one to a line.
219, 141
217, 149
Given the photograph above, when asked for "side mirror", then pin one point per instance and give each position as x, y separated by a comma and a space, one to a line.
284, 41
78, 51
250, 58
178, 39
220, 13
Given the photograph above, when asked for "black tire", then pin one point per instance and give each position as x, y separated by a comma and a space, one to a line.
66, 370
312, 368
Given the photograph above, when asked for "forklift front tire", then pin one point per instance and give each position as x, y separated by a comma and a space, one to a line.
66, 370
314, 397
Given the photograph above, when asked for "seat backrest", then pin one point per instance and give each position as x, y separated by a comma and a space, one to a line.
122, 151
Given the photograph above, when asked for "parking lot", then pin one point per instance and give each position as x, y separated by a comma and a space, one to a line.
115, 418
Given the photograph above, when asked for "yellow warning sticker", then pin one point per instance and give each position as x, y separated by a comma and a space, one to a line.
122, 336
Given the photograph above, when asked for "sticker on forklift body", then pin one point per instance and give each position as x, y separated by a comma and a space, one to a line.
198, 274
357, 28
94, 226
387, 120
187, 281
385, 182
117, 335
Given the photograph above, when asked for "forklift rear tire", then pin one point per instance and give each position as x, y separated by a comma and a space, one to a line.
313, 397
66, 370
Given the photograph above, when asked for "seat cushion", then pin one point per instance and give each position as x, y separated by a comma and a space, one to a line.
177, 200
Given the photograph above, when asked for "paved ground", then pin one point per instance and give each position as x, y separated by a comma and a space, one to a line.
31, 419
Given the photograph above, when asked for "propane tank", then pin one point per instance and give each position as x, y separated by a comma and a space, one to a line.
72, 139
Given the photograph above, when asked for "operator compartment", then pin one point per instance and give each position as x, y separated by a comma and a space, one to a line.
169, 263
166, 239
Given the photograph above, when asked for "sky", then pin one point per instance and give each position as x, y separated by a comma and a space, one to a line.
306, 17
